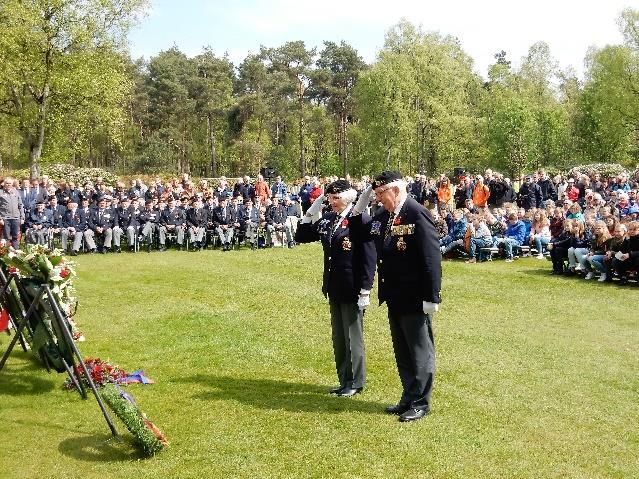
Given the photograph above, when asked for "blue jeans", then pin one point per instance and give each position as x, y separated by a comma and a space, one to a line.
12, 231
596, 263
480, 243
540, 242
508, 246
575, 256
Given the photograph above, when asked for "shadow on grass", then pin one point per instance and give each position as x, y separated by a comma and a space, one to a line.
279, 395
99, 448
24, 379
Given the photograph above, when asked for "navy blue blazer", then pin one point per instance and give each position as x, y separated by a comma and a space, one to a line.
408, 259
348, 266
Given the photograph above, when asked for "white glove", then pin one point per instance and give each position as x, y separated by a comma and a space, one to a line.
363, 201
314, 211
363, 301
430, 307
316, 207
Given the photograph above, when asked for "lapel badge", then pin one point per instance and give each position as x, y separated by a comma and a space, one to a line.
346, 244
401, 244
375, 227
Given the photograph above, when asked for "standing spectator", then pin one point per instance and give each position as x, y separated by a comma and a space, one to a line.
305, 194
530, 194
481, 193
548, 190
262, 190
279, 189
11, 212
445, 193
316, 190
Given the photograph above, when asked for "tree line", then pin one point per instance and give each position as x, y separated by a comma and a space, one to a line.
70, 93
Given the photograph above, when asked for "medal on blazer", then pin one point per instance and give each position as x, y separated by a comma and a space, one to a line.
401, 244
376, 227
346, 244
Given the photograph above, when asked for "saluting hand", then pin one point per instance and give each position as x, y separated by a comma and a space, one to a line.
363, 201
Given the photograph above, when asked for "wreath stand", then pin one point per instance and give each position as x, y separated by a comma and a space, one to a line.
25, 315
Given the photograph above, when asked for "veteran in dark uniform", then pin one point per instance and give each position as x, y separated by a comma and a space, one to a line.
409, 282
349, 270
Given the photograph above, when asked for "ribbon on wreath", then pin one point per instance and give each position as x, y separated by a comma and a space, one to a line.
4, 320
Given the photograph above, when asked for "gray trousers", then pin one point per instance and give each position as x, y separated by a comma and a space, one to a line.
225, 235
196, 234
77, 236
130, 236
106, 235
148, 230
38, 235
251, 231
414, 348
347, 324
178, 230
271, 230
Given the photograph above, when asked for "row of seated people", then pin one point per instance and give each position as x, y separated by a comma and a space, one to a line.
508, 229
101, 227
597, 248
597, 243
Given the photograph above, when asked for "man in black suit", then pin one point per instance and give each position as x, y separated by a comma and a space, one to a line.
409, 268
100, 225
349, 270
126, 221
196, 218
172, 220
223, 221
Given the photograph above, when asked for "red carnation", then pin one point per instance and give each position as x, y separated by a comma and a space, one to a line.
397, 221
64, 273
344, 223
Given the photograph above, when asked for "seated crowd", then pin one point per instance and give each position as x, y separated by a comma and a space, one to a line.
586, 224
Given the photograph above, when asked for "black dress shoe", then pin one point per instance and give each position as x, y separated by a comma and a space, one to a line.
349, 392
397, 409
336, 390
413, 414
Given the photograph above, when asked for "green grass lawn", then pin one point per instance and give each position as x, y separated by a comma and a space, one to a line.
537, 376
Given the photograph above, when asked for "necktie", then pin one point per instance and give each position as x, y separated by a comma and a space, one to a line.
389, 225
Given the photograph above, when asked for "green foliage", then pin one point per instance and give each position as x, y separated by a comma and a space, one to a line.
65, 172
415, 104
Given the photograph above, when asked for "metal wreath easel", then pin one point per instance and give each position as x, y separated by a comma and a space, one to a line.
26, 309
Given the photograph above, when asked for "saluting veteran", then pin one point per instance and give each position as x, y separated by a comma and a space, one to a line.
349, 270
409, 281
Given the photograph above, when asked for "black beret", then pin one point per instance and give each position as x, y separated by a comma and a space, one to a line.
338, 186
40, 202
148, 202
386, 177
